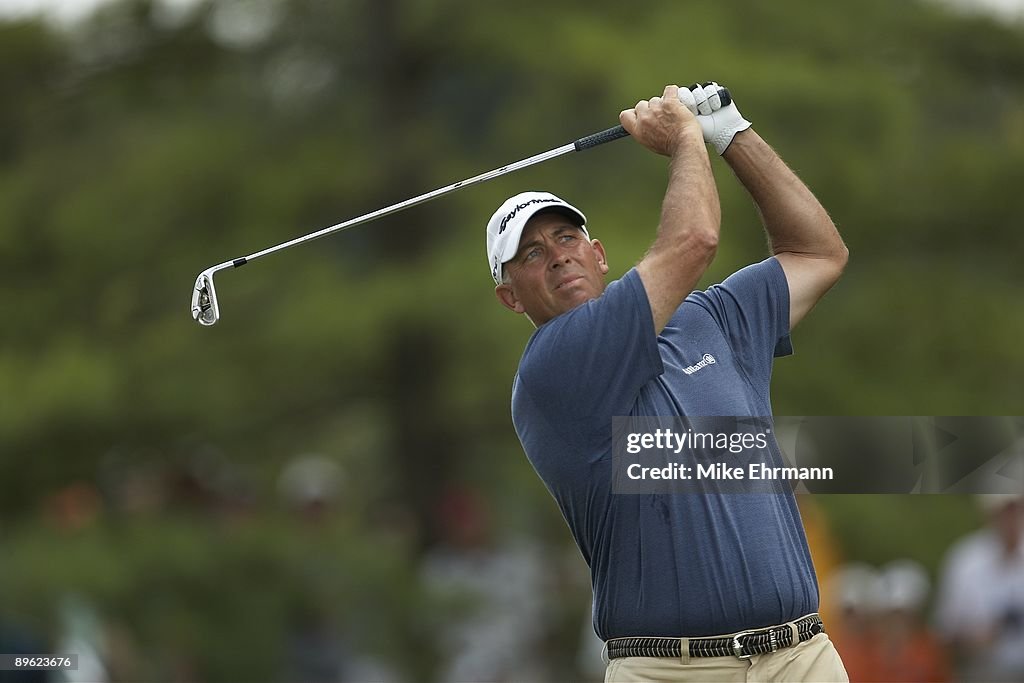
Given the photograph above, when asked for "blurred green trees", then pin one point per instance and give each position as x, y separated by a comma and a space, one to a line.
146, 145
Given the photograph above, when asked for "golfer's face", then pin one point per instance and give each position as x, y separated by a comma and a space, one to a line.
555, 269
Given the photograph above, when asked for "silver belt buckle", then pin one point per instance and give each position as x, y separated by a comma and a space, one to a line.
737, 646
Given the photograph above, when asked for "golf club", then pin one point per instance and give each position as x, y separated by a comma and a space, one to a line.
204, 296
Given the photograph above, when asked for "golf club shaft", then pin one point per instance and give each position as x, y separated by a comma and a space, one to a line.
583, 143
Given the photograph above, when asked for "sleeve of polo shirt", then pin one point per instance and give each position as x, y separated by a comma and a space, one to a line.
752, 307
592, 361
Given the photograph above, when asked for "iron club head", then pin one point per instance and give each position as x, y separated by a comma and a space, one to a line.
204, 299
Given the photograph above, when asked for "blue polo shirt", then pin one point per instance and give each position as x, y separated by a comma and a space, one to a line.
674, 565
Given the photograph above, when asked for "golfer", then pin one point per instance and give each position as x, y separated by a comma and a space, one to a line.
694, 587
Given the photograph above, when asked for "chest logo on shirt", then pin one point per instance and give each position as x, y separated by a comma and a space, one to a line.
707, 360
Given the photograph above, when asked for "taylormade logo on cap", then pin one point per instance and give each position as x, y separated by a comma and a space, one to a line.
520, 207
507, 223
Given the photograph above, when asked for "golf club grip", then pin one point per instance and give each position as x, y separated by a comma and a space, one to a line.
620, 132
600, 138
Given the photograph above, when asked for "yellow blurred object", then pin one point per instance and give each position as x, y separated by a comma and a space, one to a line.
824, 553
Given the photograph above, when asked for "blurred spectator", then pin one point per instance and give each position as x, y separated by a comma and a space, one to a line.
315, 651
905, 648
856, 590
881, 634
82, 633
319, 646
75, 506
981, 598
310, 486
498, 636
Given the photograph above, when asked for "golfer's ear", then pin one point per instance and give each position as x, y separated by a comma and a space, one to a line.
602, 258
507, 296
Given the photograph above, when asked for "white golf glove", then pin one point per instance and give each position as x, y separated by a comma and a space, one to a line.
719, 123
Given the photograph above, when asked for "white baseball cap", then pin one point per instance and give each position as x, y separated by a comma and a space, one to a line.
506, 225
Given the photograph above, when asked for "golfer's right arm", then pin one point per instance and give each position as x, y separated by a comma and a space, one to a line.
690, 213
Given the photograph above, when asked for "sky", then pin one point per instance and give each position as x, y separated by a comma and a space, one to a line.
68, 11
65, 11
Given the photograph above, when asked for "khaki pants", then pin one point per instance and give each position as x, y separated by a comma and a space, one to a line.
812, 660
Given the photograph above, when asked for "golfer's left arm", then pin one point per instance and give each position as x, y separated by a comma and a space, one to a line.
800, 233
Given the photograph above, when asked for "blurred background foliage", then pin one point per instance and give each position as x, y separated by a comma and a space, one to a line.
142, 455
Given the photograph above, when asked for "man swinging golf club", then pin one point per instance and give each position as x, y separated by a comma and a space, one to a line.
686, 587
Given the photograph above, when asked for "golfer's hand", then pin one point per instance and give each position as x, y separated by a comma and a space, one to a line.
718, 123
661, 124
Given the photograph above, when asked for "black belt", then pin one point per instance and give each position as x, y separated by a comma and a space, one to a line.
743, 645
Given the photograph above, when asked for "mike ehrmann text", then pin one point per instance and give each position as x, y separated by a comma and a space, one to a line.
721, 472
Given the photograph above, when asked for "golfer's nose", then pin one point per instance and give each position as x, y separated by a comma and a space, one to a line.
559, 257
